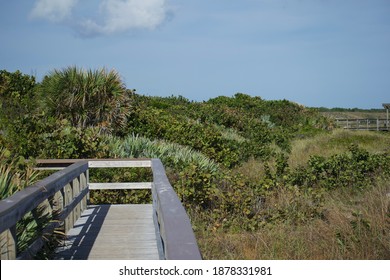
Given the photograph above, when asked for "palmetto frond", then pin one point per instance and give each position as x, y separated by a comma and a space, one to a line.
87, 98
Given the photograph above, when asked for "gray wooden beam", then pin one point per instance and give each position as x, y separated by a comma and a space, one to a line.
175, 227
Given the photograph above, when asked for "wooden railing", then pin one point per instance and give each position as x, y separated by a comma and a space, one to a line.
63, 195
363, 124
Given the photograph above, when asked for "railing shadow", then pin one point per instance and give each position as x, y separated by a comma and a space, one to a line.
81, 238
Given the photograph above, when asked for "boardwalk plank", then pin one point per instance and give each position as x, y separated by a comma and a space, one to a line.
112, 232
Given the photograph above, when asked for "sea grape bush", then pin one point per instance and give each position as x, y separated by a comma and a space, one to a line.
234, 203
356, 169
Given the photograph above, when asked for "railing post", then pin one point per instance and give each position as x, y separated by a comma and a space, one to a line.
8, 244
76, 213
87, 184
57, 205
83, 186
68, 196
58, 202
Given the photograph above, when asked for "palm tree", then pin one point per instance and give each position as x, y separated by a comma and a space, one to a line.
87, 98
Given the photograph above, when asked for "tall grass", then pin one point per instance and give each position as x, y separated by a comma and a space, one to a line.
326, 144
360, 114
337, 142
313, 222
353, 226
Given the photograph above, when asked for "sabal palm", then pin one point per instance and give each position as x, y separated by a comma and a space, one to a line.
86, 98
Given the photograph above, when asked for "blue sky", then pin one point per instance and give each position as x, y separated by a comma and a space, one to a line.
331, 53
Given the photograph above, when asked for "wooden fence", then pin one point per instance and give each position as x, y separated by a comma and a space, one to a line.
363, 124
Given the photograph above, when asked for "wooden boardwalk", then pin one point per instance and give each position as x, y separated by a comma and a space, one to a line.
112, 232
161, 230
363, 124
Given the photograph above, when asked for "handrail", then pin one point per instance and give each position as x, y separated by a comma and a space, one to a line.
64, 192
70, 187
175, 228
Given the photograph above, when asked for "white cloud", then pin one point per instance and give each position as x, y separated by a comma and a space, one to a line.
115, 16
53, 10
122, 15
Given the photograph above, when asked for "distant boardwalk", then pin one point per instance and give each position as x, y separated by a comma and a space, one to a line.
363, 124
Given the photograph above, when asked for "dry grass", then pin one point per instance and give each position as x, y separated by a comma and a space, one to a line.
354, 226
356, 115
252, 170
336, 142
351, 224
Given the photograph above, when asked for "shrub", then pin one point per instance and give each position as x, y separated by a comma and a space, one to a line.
87, 98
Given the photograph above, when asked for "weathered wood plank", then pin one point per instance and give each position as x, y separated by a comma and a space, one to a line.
59, 164
118, 163
120, 186
8, 244
174, 224
112, 232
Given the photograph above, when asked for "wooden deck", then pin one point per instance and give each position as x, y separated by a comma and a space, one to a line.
112, 232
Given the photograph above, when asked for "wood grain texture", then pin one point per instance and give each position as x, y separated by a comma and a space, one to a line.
112, 232
120, 186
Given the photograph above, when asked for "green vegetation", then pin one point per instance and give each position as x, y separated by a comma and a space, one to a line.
259, 179
86, 98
